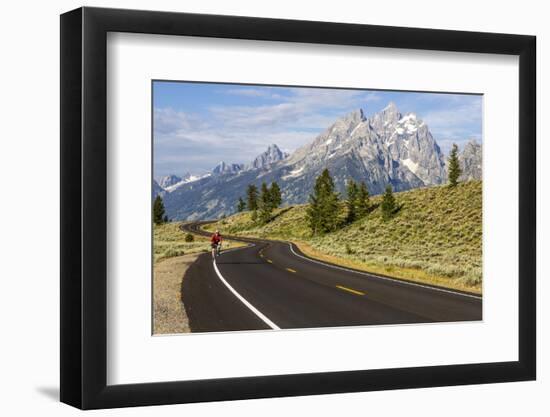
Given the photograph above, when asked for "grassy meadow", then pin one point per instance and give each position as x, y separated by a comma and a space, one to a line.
435, 237
169, 241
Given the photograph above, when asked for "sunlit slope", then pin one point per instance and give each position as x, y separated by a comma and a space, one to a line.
436, 236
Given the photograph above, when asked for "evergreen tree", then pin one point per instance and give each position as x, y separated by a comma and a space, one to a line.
265, 205
241, 205
252, 197
454, 167
313, 211
322, 212
363, 202
158, 210
388, 204
352, 201
276, 198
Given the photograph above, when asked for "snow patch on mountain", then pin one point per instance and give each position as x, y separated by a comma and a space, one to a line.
169, 180
413, 167
189, 179
387, 148
293, 174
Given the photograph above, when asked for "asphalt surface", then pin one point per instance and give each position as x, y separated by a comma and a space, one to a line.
271, 285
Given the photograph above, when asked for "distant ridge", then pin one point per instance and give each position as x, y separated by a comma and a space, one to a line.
387, 148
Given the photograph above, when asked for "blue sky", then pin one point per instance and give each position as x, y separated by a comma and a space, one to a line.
196, 125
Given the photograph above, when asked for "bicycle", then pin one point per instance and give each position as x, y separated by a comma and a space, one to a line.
216, 250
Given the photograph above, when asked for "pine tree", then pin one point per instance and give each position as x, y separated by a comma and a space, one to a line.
276, 198
351, 202
252, 197
454, 167
313, 211
158, 210
241, 205
388, 204
265, 205
322, 212
363, 202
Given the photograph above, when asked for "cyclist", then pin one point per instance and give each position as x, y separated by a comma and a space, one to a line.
216, 243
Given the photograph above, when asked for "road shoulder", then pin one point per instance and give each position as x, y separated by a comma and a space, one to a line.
169, 315
396, 273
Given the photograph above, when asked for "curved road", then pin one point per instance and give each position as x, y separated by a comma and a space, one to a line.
271, 285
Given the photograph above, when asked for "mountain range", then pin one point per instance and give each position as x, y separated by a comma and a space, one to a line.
386, 148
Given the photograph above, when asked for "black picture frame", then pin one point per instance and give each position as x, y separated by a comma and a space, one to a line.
84, 207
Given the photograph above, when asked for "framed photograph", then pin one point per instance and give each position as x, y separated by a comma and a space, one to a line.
257, 208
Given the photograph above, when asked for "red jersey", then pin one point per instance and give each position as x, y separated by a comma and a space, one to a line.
216, 238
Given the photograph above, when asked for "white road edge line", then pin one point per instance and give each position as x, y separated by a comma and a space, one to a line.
368, 274
257, 312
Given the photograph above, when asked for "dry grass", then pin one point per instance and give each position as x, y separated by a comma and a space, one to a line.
172, 257
408, 274
436, 237
169, 314
169, 241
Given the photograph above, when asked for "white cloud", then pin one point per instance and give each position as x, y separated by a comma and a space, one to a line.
303, 109
238, 133
456, 116
168, 120
454, 122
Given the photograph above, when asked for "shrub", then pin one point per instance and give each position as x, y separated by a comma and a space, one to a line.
189, 237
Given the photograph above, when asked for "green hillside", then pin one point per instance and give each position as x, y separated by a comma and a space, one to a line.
169, 241
436, 236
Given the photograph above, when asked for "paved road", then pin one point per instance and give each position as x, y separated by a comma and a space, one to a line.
273, 285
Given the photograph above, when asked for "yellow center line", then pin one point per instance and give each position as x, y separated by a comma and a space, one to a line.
269, 260
290, 270
350, 290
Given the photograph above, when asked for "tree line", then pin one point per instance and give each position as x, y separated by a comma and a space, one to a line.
323, 213
324, 210
261, 202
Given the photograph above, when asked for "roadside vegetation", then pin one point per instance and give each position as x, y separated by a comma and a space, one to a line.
174, 251
261, 204
169, 241
159, 216
431, 235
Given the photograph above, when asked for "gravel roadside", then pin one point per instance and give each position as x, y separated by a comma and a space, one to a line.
169, 314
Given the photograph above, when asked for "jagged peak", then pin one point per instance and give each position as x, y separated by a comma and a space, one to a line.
170, 179
224, 167
355, 116
407, 117
390, 106
271, 155
386, 118
390, 111
273, 147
